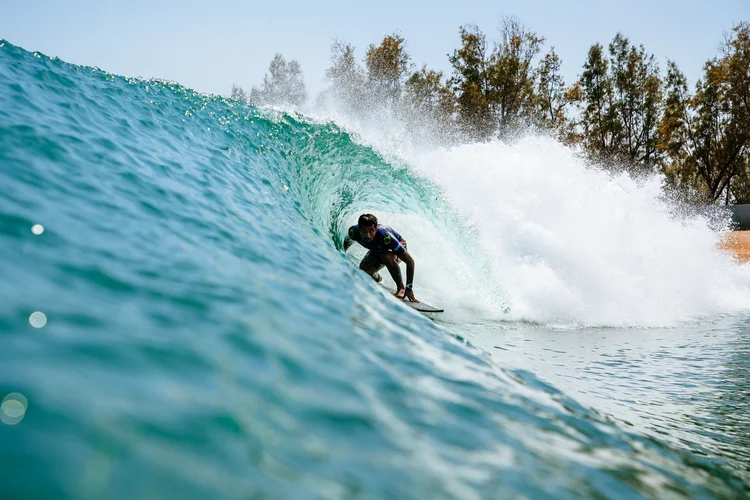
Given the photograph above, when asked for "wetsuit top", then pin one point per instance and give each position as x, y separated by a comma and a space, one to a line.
385, 239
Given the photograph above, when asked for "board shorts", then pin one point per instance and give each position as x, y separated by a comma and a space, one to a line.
372, 257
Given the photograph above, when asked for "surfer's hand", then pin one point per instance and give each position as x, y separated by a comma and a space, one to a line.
410, 295
400, 293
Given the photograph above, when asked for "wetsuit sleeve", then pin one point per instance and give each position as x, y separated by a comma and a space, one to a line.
351, 237
392, 243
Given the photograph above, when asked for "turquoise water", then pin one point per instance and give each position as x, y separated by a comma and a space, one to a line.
206, 337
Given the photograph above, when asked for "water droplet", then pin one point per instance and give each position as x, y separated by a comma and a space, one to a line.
37, 229
38, 319
13, 408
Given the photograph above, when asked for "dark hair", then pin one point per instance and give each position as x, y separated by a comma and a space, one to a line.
367, 220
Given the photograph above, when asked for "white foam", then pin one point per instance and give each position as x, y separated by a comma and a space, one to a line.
568, 244
555, 241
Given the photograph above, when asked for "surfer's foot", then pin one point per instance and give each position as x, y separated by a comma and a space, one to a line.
377, 277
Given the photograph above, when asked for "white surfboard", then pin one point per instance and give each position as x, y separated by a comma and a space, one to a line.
419, 306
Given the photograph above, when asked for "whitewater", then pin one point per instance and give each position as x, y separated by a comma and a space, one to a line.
178, 317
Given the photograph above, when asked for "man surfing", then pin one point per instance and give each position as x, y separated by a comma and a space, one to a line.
386, 248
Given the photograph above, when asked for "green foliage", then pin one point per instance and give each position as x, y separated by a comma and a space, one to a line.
637, 96
622, 101
620, 109
495, 92
736, 73
551, 97
736, 76
387, 67
600, 127
238, 93
346, 76
511, 75
428, 103
470, 82
706, 135
426, 92
673, 129
344, 69
283, 84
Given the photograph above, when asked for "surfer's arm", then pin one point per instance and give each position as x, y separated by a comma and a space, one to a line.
399, 248
408, 292
349, 238
409, 260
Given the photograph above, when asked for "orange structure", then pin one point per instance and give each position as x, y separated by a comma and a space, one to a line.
737, 242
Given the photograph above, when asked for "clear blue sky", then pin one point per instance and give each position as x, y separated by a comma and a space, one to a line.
208, 45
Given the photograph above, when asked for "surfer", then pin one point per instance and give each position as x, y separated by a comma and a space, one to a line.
385, 248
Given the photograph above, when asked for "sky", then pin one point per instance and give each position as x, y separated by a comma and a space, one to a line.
209, 46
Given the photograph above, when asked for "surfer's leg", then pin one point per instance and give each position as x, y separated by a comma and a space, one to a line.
371, 264
391, 261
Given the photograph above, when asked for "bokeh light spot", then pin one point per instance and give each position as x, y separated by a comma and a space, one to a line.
37, 229
38, 319
13, 408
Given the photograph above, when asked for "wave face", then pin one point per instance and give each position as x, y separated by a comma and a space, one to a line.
206, 336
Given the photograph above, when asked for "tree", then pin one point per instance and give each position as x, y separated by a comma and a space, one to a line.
597, 119
238, 94
470, 83
387, 67
428, 103
622, 99
717, 138
346, 77
570, 131
282, 85
736, 62
511, 75
426, 93
673, 129
637, 97
550, 96
707, 134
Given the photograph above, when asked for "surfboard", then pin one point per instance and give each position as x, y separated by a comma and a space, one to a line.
419, 306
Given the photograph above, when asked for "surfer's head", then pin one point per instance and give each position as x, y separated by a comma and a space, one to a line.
368, 226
